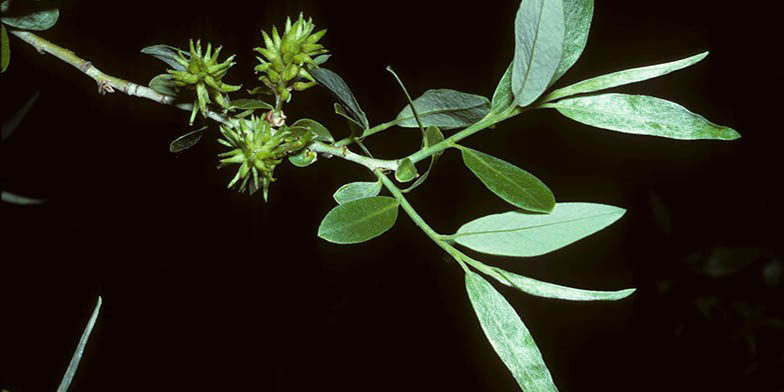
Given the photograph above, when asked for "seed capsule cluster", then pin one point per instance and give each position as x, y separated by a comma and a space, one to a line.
258, 149
284, 58
203, 73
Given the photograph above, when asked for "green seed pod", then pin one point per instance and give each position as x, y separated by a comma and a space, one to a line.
313, 38
285, 95
302, 86
273, 75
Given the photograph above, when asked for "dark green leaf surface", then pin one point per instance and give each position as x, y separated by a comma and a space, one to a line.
164, 84
446, 109
356, 191
186, 141
249, 104
321, 132
508, 336
359, 220
641, 115
621, 78
503, 97
578, 15
5, 49
550, 290
406, 171
10, 125
539, 40
509, 182
334, 83
27, 15
522, 234
167, 54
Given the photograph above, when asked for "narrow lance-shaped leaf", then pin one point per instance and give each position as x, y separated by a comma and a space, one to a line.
356, 190
509, 337
446, 109
77, 355
578, 15
186, 141
523, 234
621, 78
5, 49
539, 39
12, 198
167, 54
10, 125
509, 182
335, 84
27, 15
641, 115
359, 220
249, 104
550, 290
503, 97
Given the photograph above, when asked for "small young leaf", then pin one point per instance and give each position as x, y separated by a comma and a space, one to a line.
186, 141
503, 97
406, 171
303, 158
167, 54
539, 40
621, 78
509, 182
334, 83
11, 198
641, 115
359, 220
77, 355
5, 49
432, 137
522, 234
26, 15
550, 290
508, 336
321, 132
356, 191
10, 125
164, 84
446, 109
250, 104
577, 22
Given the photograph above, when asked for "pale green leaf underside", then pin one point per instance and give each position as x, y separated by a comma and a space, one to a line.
641, 115
25, 15
5, 49
77, 355
12, 198
446, 109
621, 78
356, 191
522, 234
359, 220
516, 186
503, 96
550, 290
539, 39
578, 15
508, 336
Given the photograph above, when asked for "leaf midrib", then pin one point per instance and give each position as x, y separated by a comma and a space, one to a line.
458, 235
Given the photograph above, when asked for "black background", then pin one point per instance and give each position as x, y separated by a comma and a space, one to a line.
205, 288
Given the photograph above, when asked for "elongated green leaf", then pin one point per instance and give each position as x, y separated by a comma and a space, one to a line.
10, 125
335, 84
9, 197
249, 104
621, 78
508, 336
503, 97
359, 220
406, 171
27, 15
167, 54
523, 234
164, 84
509, 182
321, 132
5, 49
550, 290
578, 15
356, 191
539, 40
77, 355
446, 109
641, 115
186, 141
